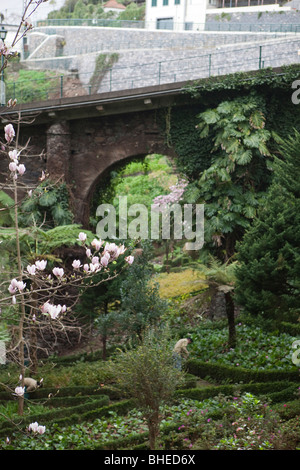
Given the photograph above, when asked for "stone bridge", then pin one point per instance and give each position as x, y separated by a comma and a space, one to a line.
78, 140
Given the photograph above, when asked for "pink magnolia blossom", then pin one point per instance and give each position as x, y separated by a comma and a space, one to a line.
104, 261
33, 426
53, 310
36, 428
106, 254
21, 169
41, 429
76, 264
9, 133
14, 300
58, 272
97, 244
88, 253
129, 259
11, 289
82, 236
16, 285
112, 249
21, 285
12, 166
41, 264
31, 269
13, 155
19, 391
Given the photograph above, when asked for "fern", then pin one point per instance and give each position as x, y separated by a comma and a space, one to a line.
63, 235
6, 210
47, 199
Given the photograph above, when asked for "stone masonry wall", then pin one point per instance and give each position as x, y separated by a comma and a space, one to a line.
188, 56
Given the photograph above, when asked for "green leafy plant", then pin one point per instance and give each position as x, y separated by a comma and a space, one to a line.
233, 186
147, 374
48, 205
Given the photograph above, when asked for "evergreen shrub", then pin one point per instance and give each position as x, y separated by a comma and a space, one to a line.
277, 391
222, 372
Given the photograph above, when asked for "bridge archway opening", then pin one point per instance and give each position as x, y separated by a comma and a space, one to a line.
138, 177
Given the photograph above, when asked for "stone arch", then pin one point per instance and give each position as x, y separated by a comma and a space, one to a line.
82, 151
104, 174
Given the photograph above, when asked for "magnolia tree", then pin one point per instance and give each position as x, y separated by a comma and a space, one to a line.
36, 294
39, 294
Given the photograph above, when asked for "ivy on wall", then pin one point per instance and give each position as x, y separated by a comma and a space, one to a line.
274, 86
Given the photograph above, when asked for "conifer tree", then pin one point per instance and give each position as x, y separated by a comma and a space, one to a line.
269, 255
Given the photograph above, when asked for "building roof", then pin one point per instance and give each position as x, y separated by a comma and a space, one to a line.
114, 4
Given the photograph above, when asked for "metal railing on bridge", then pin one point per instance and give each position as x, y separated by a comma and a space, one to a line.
207, 26
150, 74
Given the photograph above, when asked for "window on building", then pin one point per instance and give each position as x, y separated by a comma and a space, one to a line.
177, 2
154, 3
165, 2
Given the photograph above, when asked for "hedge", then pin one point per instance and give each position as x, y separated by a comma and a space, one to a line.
76, 391
221, 372
277, 391
72, 415
292, 329
290, 410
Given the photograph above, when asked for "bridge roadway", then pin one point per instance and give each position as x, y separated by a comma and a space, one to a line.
103, 104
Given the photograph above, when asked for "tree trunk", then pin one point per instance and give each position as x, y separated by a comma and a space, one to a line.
230, 317
104, 343
33, 351
104, 336
167, 257
33, 341
153, 426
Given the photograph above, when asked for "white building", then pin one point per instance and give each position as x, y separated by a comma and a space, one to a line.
177, 15
114, 6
